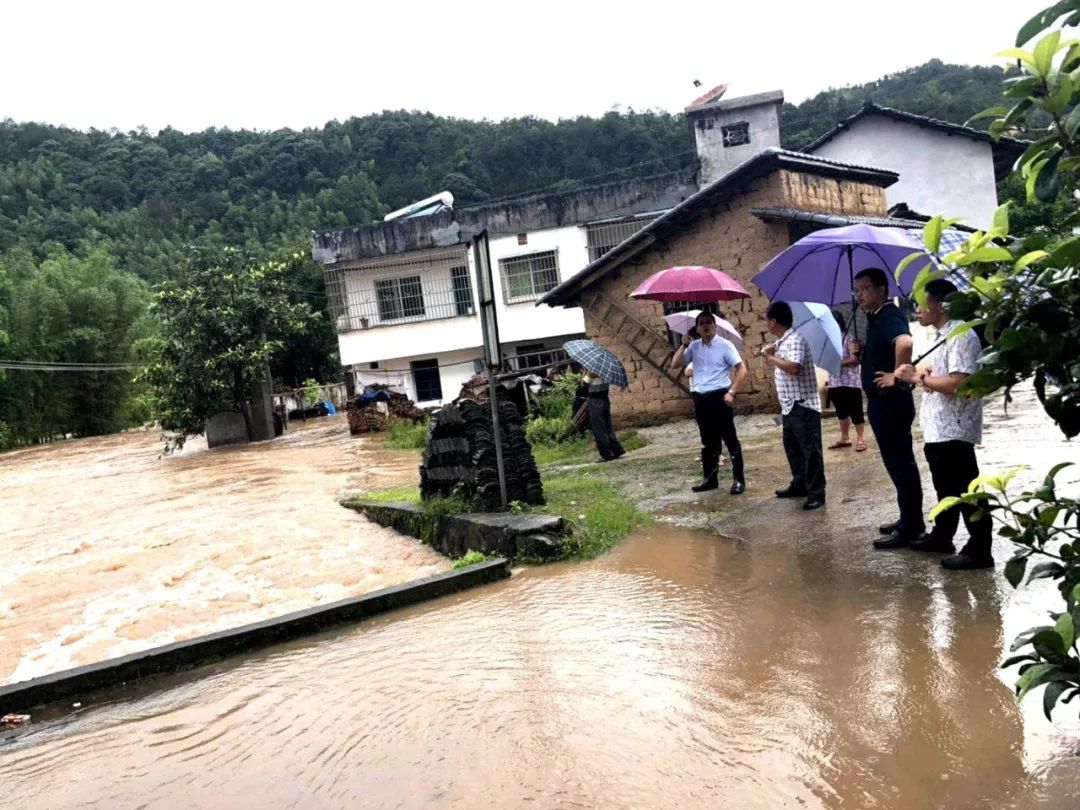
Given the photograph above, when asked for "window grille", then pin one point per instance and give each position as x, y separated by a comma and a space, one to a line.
736, 134
526, 278
603, 236
463, 300
399, 298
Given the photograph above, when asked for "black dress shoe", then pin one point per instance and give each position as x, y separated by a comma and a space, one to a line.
893, 541
889, 528
738, 488
789, 492
933, 545
813, 503
706, 485
962, 562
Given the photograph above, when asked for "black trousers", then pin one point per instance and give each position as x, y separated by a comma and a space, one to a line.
716, 425
802, 446
848, 403
600, 422
891, 415
953, 466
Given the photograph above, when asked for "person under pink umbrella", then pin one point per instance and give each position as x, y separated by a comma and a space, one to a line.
719, 370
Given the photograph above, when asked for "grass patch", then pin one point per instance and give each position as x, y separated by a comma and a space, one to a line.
583, 448
401, 434
471, 557
595, 509
406, 494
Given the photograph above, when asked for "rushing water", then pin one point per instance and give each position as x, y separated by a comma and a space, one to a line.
683, 670
781, 663
108, 549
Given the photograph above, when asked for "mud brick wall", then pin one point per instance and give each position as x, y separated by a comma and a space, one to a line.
729, 238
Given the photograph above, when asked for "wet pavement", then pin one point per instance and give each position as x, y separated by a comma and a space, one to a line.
775, 661
109, 549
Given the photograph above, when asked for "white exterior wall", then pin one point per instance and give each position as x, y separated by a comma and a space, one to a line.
455, 369
421, 338
525, 321
716, 159
939, 173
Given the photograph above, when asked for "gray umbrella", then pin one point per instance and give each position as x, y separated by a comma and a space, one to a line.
597, 360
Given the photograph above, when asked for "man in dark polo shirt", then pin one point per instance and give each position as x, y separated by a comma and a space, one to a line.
890, 404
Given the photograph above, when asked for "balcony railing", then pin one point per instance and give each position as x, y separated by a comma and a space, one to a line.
404, 289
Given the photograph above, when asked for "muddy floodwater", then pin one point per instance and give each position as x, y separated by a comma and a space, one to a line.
109, 549
776, 661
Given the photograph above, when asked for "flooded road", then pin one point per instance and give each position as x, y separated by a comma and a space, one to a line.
778, 663
108, 549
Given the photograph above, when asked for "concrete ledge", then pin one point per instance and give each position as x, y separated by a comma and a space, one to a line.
512, 536
18, 697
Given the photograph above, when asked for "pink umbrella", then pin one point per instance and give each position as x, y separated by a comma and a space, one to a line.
699, 284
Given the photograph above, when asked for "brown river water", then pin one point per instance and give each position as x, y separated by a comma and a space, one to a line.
109, 549
778, 663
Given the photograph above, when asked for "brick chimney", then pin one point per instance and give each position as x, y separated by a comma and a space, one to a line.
728, 132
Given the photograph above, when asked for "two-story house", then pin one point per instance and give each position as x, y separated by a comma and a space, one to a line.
402, 292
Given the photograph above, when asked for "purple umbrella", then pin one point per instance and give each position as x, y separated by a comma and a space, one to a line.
822, 266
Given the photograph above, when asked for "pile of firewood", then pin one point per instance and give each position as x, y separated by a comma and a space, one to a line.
461, 454
369, 414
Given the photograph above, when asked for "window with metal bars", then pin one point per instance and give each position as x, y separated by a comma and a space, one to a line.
426, 381
526, 278
736, 134
463, 300
399, 298
601, 237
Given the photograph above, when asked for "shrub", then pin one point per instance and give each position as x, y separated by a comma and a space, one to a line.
471, 557
402, 434
544, 431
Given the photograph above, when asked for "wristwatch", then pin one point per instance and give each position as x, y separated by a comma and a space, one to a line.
921, 380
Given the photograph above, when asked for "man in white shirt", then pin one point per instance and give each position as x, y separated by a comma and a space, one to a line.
952, 426
800, 406
718, 372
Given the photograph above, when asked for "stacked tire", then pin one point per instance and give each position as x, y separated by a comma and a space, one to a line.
461, 454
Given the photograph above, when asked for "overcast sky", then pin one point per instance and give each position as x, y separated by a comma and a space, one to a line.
266, 65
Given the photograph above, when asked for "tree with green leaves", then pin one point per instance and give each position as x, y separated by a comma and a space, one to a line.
222, 319
1026, 294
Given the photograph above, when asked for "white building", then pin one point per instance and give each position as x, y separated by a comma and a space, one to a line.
728, 132
402, 292
944, 168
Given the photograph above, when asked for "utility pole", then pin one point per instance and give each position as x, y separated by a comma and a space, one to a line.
489, 326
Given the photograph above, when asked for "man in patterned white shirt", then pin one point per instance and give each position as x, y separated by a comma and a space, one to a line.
952, 426
797, 390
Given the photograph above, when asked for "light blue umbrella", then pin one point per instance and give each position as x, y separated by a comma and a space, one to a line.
816, 323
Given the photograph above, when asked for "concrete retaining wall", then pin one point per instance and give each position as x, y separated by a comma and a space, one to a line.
19, 697
512, 536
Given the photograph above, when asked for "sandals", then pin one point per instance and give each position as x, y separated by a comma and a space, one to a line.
839, 445
860, 446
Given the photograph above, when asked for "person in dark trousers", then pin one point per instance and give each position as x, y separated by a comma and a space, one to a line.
846, 396
951, 426
600, 420
718, 372
800, 406
890, 404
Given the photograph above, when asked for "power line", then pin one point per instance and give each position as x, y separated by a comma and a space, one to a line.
45, 365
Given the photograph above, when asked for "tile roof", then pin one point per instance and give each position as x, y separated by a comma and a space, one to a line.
762, 164
1005, 150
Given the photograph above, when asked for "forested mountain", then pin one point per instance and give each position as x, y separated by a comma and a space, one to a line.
89, 220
